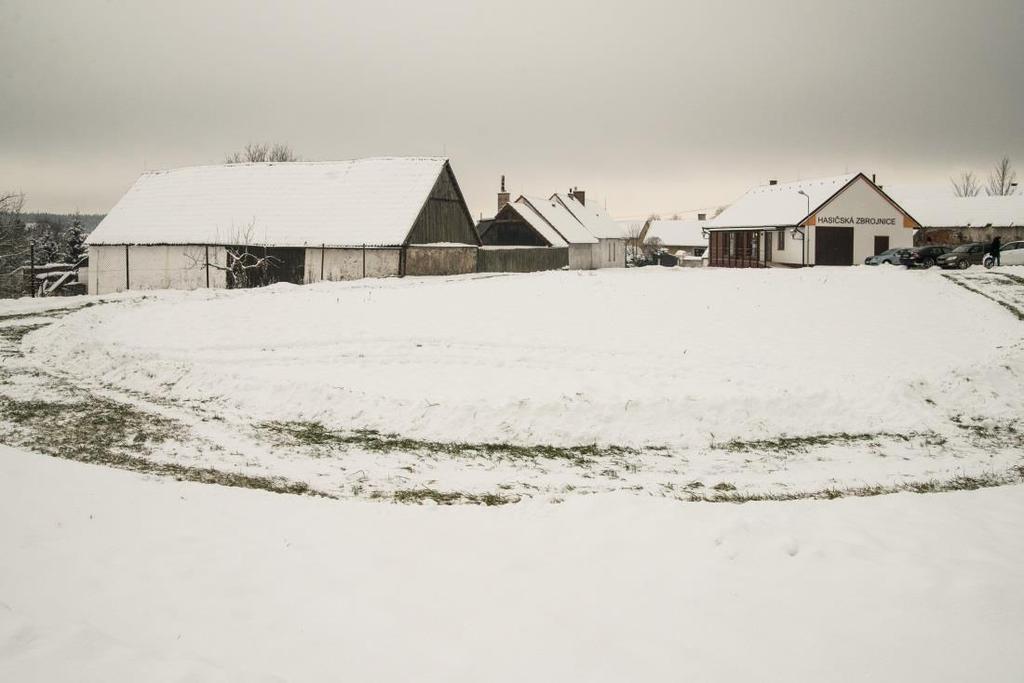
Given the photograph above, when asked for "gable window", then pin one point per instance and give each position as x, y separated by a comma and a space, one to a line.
781, 241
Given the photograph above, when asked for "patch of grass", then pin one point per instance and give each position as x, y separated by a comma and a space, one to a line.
305, 433
1014, 475
804, 443
421, 495
101, 431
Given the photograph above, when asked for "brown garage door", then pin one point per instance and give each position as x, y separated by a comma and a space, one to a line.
833, 246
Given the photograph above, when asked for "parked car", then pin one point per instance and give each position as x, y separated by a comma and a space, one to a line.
1010, 254
890, 256
923, 257
964, 256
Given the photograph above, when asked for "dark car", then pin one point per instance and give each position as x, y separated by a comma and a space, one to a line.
923, 257
964, 256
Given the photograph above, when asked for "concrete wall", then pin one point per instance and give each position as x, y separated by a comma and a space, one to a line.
349, 264
429, 260
609, 253
521, 259
581, 256
154, 267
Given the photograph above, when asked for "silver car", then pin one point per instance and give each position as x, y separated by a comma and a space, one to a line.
889, 256
1010, 254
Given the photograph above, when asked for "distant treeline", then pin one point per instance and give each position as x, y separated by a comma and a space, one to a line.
60, 221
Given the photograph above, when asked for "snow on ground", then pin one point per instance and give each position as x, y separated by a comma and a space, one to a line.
763, 381
112, 576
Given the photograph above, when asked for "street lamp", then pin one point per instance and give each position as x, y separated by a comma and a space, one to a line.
804, 246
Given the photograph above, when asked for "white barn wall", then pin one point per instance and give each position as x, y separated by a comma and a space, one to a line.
347, 264
154, 267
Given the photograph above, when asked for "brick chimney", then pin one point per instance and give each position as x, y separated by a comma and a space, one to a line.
773, 182
502, 195
579, 195
702, 216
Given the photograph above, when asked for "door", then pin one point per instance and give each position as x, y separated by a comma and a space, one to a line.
881, 243
768, 246
833, 246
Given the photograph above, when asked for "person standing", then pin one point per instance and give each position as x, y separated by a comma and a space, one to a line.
994, 250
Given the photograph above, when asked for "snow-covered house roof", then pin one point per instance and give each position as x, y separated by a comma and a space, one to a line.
371, 201
559, 218
592, 216
781, 204
938, 207
678, 233
525, 211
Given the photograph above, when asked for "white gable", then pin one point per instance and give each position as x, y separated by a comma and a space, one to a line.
779, 205
571, 230
593, 217
344, 203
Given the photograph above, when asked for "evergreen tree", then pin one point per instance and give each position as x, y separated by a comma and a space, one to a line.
74, 242
48, 252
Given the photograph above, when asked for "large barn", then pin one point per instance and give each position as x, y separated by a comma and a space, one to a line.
837, 221
948, 219
239, 225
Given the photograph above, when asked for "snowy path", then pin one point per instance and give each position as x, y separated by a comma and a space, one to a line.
113, 576
923, 400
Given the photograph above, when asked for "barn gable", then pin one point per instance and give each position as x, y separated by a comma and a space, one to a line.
444, 216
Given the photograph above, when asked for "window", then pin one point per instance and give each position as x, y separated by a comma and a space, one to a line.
732, 244
781, 242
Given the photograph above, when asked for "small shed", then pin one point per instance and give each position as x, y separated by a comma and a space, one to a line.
239, 225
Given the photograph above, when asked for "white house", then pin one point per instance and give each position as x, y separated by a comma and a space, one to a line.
678, 235
610, 251
242, 224
828, 221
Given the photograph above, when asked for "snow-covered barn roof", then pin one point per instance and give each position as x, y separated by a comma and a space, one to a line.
937, 207
592, 216
678, 232
372, 201
538, 223
559, 218
779, 205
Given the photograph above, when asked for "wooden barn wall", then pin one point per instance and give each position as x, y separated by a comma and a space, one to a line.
509, 229
444, 217
522, 260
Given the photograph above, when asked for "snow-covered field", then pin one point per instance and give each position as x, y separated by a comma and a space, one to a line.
654, 380
111, 576
649, 390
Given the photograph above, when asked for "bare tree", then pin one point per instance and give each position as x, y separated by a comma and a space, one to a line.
635, 240
1001, 181
262, 151
966, 185
14, 250
247, 264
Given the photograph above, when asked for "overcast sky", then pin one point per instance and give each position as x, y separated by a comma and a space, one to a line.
649, 106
